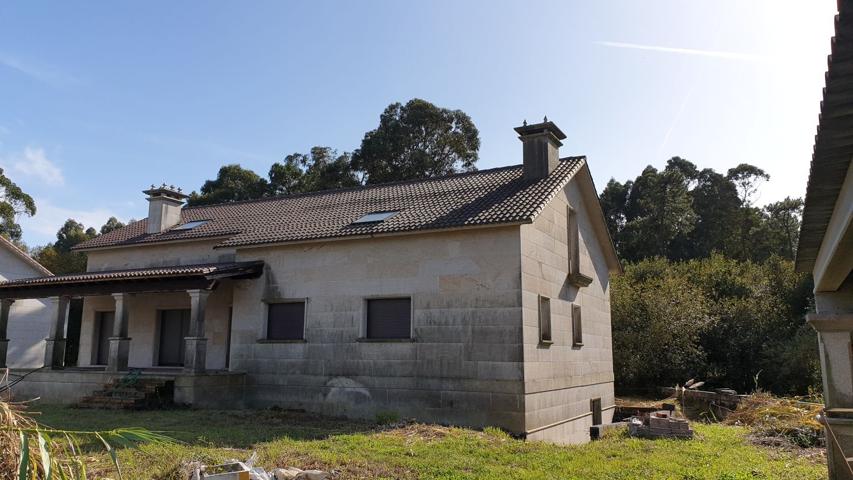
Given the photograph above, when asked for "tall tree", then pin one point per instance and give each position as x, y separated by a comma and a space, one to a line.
784, 220
232, 183
658, 213
112, 224
716, 203
58, 256
322, 169
417, 140
13, 202
747, 178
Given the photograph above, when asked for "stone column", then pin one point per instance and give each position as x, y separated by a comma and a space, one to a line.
5, 306
54, 348
834, 324
195, 352
119, 342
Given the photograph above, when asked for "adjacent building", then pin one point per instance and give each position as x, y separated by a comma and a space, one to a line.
22, 341
826, 243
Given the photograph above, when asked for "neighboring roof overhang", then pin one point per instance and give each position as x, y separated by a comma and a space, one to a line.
11, 247
140, 280
833, 151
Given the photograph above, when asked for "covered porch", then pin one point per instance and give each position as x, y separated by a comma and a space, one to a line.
154, 321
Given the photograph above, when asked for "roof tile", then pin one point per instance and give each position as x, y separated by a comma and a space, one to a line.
486, 197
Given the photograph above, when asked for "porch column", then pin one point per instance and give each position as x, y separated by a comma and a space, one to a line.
5, 306
119, 342
54, 348
195, 353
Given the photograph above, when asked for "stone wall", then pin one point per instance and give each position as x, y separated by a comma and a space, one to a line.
144, 256
560, 379
464, 364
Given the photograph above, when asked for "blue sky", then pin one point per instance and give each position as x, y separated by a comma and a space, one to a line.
100, 99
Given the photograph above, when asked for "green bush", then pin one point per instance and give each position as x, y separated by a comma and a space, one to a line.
724, 321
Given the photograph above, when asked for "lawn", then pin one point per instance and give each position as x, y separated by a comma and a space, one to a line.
363, 450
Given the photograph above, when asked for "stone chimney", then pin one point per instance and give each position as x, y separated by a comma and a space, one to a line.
164, 207
541, 148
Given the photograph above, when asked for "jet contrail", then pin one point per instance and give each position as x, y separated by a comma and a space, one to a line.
688, 51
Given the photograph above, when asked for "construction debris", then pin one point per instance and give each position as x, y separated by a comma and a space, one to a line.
659, 424
236, 470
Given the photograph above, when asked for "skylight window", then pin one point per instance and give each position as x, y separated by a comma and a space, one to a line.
191, 225
376, 217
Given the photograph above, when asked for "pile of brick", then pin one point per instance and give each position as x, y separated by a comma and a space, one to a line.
659, 424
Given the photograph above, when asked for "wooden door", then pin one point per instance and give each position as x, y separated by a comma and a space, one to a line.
174, 326
103, 331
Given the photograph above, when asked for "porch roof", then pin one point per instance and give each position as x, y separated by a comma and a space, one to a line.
137, 280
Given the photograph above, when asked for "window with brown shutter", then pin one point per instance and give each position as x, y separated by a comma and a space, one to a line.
389, 318
577, 326
286, 321
544, 320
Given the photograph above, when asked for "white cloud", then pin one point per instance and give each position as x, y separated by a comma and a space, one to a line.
42, 73
33, 162
41, 228
688, 51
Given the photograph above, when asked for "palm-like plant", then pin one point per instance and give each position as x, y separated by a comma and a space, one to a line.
30, 451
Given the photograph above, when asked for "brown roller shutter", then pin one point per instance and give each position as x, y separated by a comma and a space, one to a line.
286, 321
389, 318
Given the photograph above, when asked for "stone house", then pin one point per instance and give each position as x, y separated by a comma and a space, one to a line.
475, 299
825, 246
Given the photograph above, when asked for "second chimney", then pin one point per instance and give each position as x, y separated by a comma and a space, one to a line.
164, 207
541, 148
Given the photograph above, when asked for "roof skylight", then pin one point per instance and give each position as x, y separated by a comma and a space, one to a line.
376, 217
191, 225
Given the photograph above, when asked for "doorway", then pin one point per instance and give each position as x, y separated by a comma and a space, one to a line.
103, 331
174, 326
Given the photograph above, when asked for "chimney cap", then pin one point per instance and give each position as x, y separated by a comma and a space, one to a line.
165, 191
546, 126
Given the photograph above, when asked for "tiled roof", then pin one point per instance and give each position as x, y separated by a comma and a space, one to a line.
486, 197
831, 156
213, 270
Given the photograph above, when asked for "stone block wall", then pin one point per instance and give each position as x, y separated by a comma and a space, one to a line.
560, 378
464, 365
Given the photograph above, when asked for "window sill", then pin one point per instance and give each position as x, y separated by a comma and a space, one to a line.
545, 343
385, 340
577, 345
579, 280
269, 340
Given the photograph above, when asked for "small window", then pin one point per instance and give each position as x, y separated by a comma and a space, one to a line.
191, 225
544, 319
577, 326
595, 408
375, 217
389, 318
286, 321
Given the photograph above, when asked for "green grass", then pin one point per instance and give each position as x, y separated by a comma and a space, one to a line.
362, 450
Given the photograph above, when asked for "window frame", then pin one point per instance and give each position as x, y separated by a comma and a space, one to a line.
577, 326
573, 242
544, 316
366, 317
266, 320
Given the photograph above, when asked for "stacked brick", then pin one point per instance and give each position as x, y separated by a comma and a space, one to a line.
660, 424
